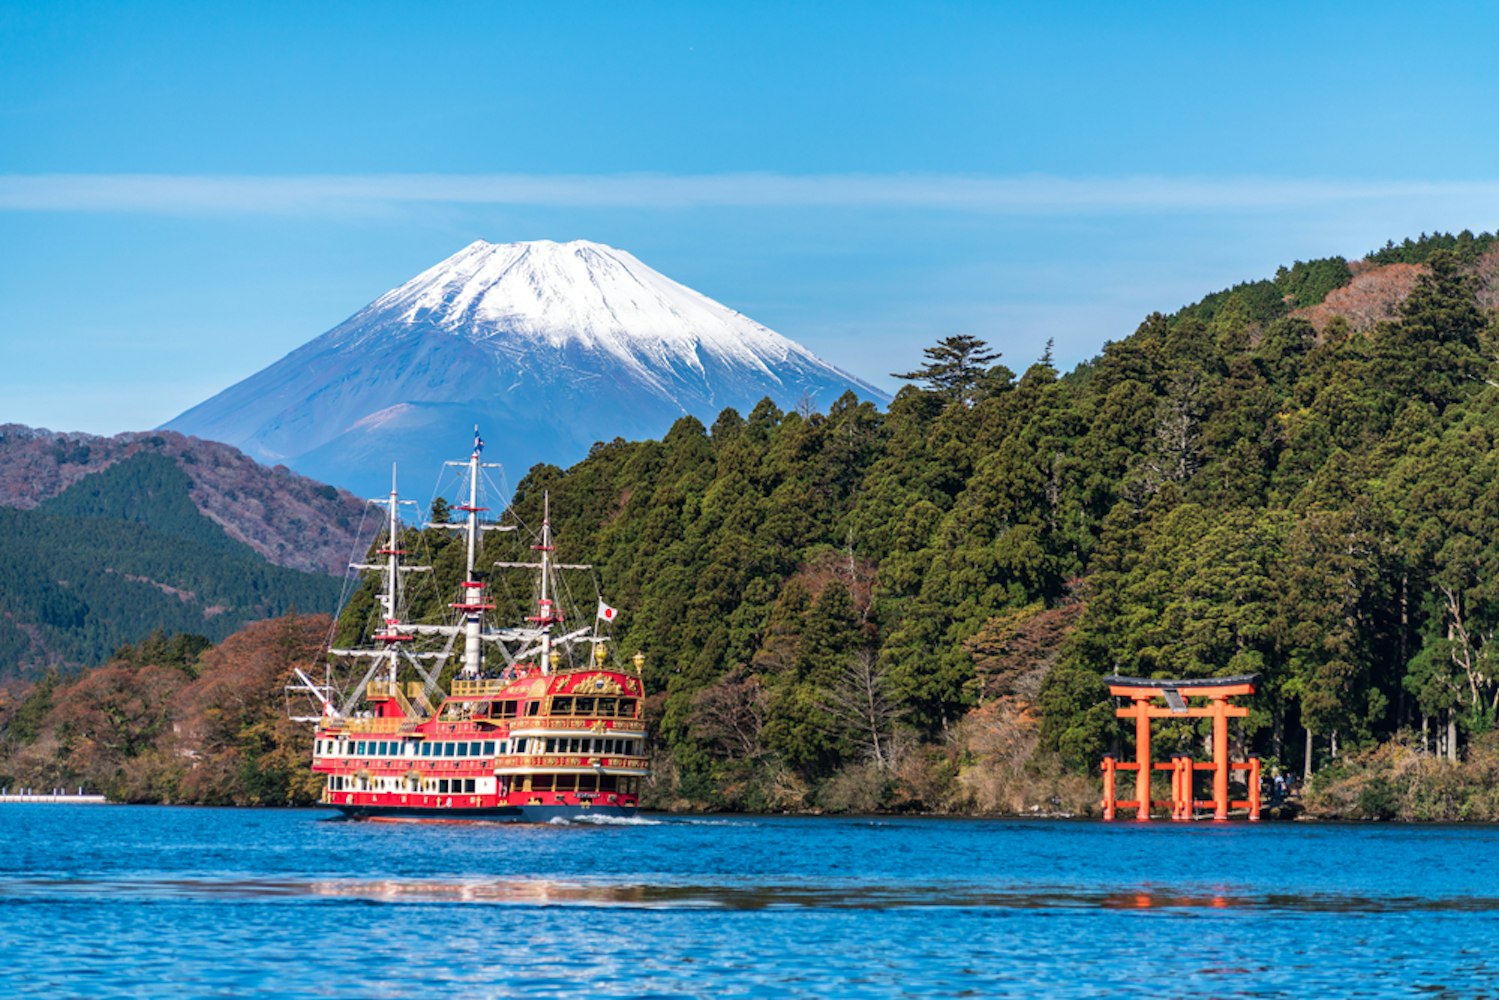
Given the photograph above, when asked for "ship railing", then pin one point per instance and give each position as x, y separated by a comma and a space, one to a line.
591, 668
375, 725
532, 761
476, 688
549, 723
378, 690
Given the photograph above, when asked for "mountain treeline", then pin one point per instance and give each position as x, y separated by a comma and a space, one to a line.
123, 552
915, 609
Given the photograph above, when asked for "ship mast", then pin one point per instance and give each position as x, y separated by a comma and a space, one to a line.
391, 594
391, 634
547, 610
473, 602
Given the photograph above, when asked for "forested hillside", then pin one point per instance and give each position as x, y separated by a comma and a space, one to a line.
290, 520
121, 553
914, 609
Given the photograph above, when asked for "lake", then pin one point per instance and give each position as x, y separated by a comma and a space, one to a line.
115, 901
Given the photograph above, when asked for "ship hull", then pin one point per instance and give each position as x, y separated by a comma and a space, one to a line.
491, 814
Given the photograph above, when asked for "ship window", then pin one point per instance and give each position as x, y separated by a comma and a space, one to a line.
606, 706
468, 785
562, 706
507, 709
489, 748
627, 707
359, 748
582, 706
564, 782
533, 708
442, 786
587, 783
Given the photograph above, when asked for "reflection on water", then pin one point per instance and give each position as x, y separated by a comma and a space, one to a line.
552, 892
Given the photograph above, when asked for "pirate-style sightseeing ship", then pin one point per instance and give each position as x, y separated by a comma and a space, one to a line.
537, 722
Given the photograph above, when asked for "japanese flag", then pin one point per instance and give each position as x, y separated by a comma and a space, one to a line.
607, 613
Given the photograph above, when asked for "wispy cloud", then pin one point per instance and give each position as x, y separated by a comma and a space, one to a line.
1043, 195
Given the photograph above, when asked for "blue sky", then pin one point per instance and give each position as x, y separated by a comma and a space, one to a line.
189, 191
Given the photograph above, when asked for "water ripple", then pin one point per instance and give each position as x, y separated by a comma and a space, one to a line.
726, 896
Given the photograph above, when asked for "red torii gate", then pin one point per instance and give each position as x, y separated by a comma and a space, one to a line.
1176, 694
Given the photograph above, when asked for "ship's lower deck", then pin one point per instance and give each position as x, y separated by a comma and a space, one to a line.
486, 814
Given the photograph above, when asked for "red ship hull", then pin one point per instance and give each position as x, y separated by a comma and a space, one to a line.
528, 747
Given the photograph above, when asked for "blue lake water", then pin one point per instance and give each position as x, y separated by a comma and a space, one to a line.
108, 901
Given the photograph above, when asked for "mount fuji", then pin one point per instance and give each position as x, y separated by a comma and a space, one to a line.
547, 347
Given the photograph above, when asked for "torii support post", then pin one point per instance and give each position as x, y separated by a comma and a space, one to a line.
1177, 694
1220, 756
1144, 771
1108, 786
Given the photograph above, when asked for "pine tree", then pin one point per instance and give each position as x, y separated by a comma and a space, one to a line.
954, 368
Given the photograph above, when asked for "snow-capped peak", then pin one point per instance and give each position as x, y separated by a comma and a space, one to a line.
580, 294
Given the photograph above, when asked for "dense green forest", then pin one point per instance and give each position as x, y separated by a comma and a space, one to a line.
123, 552
916, 608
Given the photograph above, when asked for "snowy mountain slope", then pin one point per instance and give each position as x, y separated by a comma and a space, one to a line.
548, 347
